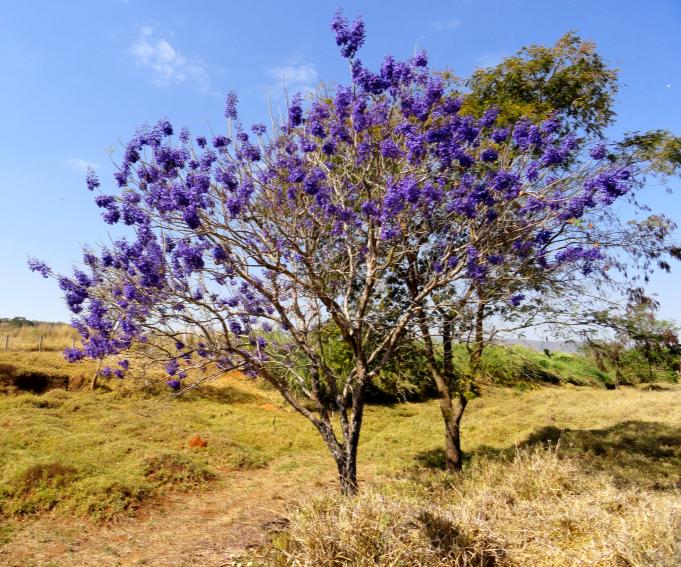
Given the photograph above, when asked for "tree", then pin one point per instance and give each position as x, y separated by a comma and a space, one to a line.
570, 86
255, 247
636, 329
570, 79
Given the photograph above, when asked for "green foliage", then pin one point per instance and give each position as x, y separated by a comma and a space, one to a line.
405, 377
569, 79
17, 322
516, 365
640, 347
660, 148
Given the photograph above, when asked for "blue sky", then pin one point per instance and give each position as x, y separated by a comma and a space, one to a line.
79, 77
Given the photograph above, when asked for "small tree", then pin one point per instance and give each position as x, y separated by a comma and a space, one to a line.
569, 87
637, 329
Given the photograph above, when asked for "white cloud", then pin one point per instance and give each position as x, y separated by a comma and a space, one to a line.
446, 25
490, 59
295, 76
167, 65
81, 164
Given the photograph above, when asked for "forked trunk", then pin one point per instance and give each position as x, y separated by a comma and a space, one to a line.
344, 452
348, 467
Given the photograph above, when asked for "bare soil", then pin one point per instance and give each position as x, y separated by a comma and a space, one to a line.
210, 528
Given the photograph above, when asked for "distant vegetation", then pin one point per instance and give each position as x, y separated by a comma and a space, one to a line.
407, 380
23, 322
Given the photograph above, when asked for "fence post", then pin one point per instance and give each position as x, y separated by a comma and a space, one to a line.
73, 342
40, 344
6, 343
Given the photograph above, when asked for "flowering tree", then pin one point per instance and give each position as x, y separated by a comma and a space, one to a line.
566, 89
255, 244
524, 291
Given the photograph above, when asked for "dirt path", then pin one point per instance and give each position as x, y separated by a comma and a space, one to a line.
208, 528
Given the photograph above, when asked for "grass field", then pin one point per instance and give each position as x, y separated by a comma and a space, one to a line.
110, 456
55, 337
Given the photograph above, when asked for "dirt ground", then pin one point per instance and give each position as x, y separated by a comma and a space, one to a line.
210, 528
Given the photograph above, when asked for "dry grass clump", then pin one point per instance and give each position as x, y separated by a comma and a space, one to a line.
536, 509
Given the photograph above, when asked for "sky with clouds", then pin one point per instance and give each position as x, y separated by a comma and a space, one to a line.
80, 76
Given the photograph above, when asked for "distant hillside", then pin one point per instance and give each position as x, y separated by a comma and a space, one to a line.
24, 322
570, 347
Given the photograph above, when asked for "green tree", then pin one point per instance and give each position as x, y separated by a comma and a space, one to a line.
634, 334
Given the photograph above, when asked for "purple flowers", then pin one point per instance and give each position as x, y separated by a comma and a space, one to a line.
233, 237
420, 59
349, 37
230, 106
73, 354
172, 367
598, 152
295, 112
221, 141
39, 266
489, 155
91, 179
390, 149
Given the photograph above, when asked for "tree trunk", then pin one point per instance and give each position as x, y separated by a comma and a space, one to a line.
347, 475
453, 407
452, 412
93, 384
344, 453
348, 470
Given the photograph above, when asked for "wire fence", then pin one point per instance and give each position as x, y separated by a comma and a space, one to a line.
37, 338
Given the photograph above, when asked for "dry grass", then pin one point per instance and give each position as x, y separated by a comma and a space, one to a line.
56, 336
534, 509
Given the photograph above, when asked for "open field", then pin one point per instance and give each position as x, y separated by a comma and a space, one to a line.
55, 337
110, 478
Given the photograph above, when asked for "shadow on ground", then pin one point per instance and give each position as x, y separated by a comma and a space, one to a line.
638, 453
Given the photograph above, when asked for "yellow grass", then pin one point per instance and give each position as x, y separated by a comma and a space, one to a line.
56, 337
